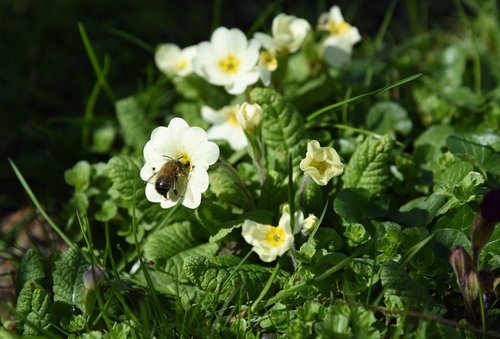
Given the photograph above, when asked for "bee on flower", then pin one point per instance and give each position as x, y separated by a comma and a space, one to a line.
172, 60
177, 158
342, 36
321, 163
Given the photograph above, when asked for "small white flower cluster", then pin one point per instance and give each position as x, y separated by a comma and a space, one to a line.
178, 156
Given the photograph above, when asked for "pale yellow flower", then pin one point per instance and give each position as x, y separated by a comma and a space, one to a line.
311, 223
321, 163
172, 60
268, 241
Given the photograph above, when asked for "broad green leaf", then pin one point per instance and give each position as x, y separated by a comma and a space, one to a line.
355, 205
490, 254
135, 128
421, 211
214, 217
68, 277
388, 117
435, 136
220, 274
368, 167
459, 218
482, 156
79, 176
30, 269
33, 309
283, 130
451, 238
410, 293
229, 188
124, 174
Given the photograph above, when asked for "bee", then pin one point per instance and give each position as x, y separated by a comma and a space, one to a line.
166, 178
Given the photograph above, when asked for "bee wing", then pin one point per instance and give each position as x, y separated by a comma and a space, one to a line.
152, 179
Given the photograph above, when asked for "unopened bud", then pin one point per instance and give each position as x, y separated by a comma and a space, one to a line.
472, 289
311, 223
249, 116
93, 277
461, 262
484, 222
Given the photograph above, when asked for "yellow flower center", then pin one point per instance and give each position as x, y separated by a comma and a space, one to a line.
230, 64
269, 60
183, 63
185, 160
322, 166
232, 118
338, 28
276, 236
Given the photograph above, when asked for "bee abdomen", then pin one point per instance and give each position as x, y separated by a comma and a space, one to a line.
163, 185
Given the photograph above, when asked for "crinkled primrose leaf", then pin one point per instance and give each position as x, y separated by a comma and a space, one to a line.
124, 174
368, 167
68, 277
282, 128
135, 127
211, 274
484, 157
172, 244
30, 269
33, 309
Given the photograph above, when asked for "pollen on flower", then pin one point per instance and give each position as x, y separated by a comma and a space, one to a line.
182, 64
269, 60
338, 28
185, 159
275, 237
230, 64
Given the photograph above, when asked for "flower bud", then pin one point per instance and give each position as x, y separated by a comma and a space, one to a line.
484, 222
249, 116
93, 277
311, 223
461, 262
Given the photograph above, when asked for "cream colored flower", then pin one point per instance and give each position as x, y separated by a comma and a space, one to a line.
225, 126
171, 60
249, 116
321, 163
228, 60
268, 241
288, 33
338, 45
177, 158
311, 223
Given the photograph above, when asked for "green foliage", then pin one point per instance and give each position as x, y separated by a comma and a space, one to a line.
68, 278
282, 128
368, 167
414, 118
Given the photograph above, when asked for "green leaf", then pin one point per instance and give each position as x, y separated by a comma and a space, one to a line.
68, 277
107, 212
368, 167
482, 156
355, 205
103, 138
459, 218
170, 246
124, 174
31, 268
220, 274
388, 117
421, 211
229, 188
283, 130
79, 176
135, 128
409, 292
33, 309
435, 136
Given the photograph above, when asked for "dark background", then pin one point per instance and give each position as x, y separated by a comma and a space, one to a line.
46, 77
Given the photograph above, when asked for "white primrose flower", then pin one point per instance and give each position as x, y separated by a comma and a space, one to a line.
249, 116
338, 45
288, 33
225, 126
268, 62
171, 60
228, 60
269, 241
310, 223
321, 163
177, 159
